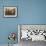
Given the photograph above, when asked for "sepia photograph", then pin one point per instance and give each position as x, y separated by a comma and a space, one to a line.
10, 11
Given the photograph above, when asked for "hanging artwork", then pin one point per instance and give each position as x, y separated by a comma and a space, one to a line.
10, 11
32, 32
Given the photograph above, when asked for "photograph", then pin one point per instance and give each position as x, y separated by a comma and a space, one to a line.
32, 32
10, 11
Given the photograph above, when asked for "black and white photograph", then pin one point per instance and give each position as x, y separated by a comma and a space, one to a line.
31, 34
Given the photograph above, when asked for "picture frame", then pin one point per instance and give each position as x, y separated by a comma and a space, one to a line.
10, 11
39, 32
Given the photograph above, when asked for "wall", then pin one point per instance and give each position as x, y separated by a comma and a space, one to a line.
29, 12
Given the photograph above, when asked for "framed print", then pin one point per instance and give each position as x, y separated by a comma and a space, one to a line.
31, 32
10, 11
